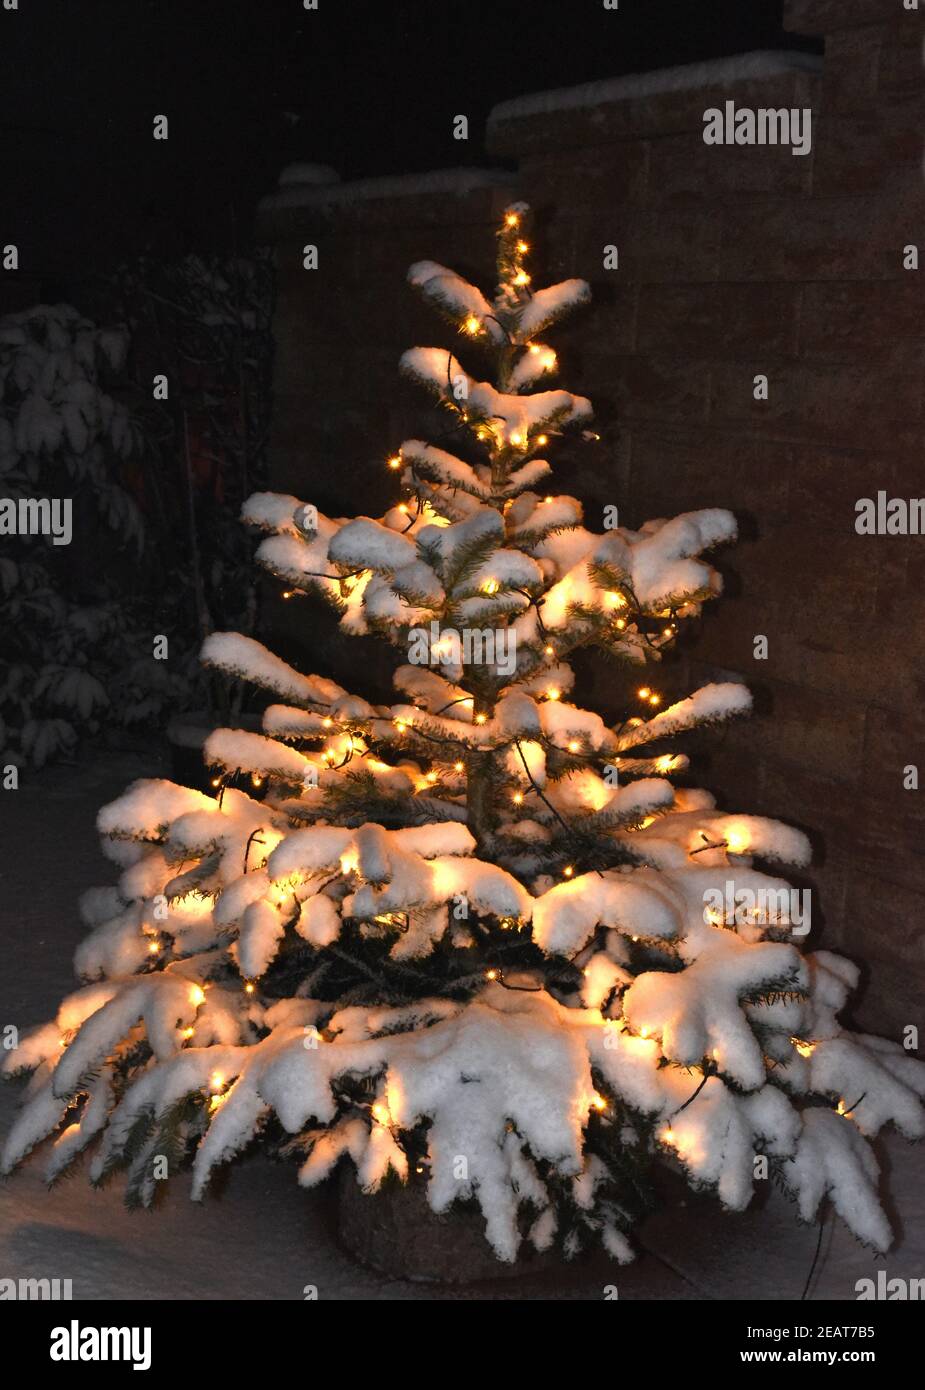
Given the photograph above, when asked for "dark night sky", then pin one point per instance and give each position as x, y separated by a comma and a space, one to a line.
370, 86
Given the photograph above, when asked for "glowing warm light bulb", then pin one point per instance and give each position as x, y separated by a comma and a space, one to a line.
664, 763
542, 439
256, 779
736, 840
491, 586
459, 767
568, 871
644, 1032
287, 593
522, 248
249, 987
432, 777
805, 1049
327, 722
512, 220
549, 361
197, 995
395, 461
216, 781
154, 947
549, 651
521, 278
517, 439
187, 1032
491, 974
517, 798
598, 1102
667, 1135
380, 1113
535, 349
615, 599
552, 693
472, 325
644, 693
573, 745
481, 718
668, 632
655, 699
400, 725
216, 1082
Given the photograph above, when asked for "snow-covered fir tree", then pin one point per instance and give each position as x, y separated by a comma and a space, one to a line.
477, 938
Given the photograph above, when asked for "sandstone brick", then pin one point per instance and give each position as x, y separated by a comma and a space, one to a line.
839, 238
648, 388
683, 168
852, 60
864, 153
678, 469
820, 732
826, 16
856, 321
839, 405
720, 320
884, 929
566, 180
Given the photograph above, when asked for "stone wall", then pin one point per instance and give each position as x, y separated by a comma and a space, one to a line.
733, 261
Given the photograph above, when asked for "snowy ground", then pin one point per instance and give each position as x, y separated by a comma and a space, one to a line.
263, 1238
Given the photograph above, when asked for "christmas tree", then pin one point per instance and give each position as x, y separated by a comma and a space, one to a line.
476, 939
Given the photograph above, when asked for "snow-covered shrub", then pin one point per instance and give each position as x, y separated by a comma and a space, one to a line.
475, 938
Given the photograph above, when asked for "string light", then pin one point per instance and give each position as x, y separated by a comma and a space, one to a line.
573, 745
459, 767
187, 1032
598, 1102
491, 974
517, 798
805, 1049
395, 461
197, 995
549, 651
327, 722
552, 693
216, 781
736, 840
568, 871
287, 593
512, 220
380, 1113
154, 947
522, 247
521, 278
644, 693
481, 718
491, 586
249, 987
256, 779
472, 325
517, 439
655, 699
